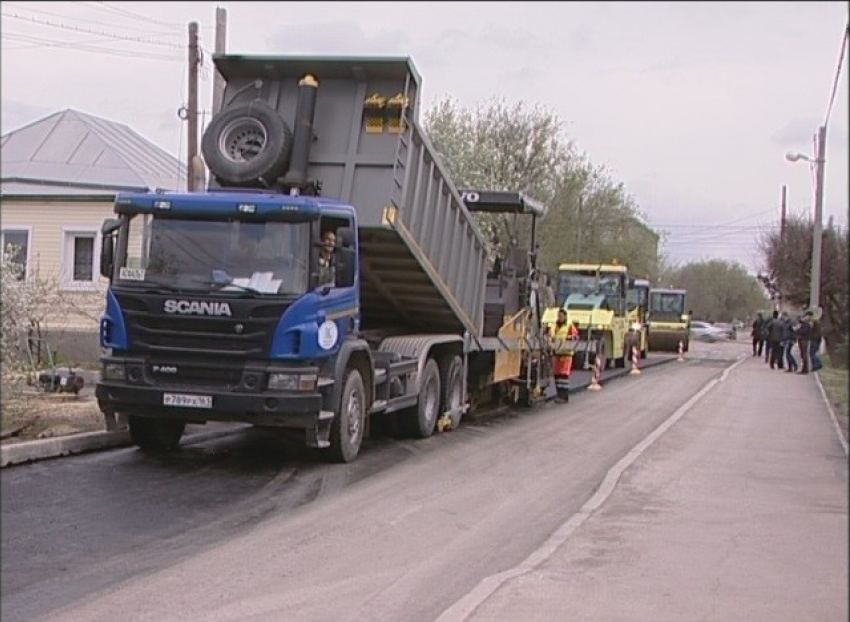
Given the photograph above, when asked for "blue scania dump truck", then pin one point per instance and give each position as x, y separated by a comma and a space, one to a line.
219, 308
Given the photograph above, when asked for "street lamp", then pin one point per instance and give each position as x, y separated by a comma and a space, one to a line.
817, 232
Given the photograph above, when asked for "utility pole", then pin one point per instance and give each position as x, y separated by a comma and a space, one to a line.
578, 230
782, 218
817, 229
220, 44
192, 114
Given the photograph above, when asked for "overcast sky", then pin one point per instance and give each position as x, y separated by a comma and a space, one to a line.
690, 105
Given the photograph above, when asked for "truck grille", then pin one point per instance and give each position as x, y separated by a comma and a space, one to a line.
246, 334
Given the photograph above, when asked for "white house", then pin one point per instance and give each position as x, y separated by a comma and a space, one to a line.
58, 180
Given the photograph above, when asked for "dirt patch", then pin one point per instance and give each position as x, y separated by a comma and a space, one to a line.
35, 416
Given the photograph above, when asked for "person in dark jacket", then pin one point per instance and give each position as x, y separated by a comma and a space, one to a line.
774, 341
789, 340
758, 336
803, 333
814, 344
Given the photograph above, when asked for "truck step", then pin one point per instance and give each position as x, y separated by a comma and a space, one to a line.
326, 415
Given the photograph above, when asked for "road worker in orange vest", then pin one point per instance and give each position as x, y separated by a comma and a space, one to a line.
562, 340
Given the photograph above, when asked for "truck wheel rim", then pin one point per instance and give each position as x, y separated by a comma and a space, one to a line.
242, 140
353, 415
431, 401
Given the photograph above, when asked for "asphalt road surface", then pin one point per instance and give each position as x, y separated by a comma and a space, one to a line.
252, 527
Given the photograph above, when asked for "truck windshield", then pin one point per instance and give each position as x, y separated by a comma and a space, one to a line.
665, 306
588, 284
207, 255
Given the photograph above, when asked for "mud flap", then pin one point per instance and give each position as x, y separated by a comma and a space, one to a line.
319, 435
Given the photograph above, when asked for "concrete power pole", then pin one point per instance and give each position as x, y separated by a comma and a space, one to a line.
578, 231
192, 114
817, 229
782, 218
220, 45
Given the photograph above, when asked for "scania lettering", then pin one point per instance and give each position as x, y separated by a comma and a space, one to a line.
221, 306
187, 307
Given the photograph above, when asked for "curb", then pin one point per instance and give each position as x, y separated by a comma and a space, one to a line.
44, 449
619, 373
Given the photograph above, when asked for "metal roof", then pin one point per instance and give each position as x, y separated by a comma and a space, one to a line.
73, 153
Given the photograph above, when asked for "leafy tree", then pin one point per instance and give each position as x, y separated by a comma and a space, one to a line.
788, 264
499, 147
718, 291
502, 147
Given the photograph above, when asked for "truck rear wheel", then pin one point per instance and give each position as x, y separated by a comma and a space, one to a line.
247, 144
347, 427
451, 381
155, 435
420, 421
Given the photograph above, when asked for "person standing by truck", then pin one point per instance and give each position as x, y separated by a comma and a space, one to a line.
562, 338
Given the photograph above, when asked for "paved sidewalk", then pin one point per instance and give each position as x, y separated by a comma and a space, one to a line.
738, 511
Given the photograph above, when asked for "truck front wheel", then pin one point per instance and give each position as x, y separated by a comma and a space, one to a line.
347, 427
155, 435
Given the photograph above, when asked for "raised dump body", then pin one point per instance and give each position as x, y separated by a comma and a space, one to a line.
423, 260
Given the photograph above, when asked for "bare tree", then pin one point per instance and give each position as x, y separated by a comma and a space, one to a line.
718, 290
788, 266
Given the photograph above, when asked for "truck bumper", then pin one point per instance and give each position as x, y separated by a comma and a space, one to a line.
274, 409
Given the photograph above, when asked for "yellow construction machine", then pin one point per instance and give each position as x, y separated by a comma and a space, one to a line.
637, 313
594, 297
669, 323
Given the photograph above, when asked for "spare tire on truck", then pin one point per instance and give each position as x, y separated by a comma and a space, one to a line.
248, 144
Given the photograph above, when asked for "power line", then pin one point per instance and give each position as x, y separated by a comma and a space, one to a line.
837, 72
84, 47
14, 5
124, 12
94, 32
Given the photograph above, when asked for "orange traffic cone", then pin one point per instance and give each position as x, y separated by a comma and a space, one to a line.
635, 358
681, 358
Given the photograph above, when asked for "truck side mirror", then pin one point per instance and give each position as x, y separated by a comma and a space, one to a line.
345, 236
107, 247
345, 266
107, 256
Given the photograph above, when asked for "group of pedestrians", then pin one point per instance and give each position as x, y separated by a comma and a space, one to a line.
775, 338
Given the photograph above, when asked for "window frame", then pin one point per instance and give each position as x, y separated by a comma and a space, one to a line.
67, 259
20, 229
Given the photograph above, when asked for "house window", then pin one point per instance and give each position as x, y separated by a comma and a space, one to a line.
78, 258
17, 242
83, 258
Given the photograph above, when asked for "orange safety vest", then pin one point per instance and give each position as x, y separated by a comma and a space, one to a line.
562, 337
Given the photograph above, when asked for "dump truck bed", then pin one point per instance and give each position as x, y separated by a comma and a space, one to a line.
423, 260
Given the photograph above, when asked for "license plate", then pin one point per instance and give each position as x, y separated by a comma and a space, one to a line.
187, 401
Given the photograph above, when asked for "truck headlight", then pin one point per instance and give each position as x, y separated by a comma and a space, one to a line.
292, 382
114, 371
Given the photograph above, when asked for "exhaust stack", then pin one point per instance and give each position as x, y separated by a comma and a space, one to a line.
302, 136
